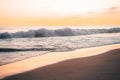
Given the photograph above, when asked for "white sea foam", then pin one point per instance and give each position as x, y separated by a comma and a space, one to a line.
15, 49
25, 43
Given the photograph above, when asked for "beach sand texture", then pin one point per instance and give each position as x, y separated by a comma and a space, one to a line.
81, 64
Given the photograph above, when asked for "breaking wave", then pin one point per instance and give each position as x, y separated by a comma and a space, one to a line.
58, 32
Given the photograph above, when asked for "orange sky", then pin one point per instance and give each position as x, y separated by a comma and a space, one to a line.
59, 12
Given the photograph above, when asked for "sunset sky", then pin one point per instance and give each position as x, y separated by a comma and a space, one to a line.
59, 12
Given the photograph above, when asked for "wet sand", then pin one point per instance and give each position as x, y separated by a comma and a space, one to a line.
82, 64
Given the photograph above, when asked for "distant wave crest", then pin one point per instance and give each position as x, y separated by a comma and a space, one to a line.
58, 32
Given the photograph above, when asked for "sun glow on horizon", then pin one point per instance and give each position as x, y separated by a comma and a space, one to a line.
57, 12
53, 7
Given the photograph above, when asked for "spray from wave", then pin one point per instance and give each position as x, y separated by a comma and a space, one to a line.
58, 32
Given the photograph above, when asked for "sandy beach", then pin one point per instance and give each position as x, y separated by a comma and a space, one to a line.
97, 63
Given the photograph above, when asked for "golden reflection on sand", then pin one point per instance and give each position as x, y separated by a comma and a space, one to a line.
51, 58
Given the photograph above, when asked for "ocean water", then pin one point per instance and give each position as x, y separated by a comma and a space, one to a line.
18, 44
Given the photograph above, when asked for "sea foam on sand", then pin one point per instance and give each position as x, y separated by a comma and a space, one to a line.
51, 58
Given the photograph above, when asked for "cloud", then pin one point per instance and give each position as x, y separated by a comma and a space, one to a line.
113, 10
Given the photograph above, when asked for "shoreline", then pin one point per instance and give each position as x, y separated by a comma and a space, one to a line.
51, 58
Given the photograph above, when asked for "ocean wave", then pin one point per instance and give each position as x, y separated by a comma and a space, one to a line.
58, 32
28, 49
